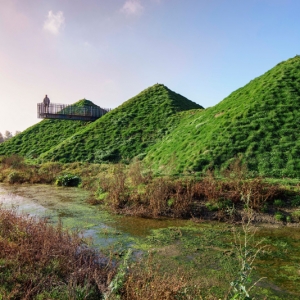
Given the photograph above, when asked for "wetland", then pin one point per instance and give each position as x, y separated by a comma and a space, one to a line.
203, 252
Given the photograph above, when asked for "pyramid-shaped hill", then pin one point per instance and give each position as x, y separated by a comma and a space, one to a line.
260, 123
126, 131
44, 135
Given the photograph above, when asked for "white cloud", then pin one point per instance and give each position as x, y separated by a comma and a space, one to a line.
132, 7
54, 22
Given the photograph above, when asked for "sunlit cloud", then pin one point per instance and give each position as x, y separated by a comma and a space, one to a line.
132, 7
55, 22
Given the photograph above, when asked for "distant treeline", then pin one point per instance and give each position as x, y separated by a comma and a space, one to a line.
7, 135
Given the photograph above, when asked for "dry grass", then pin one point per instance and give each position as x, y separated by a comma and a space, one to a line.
147, 281
37, 259
134, 190
165, 196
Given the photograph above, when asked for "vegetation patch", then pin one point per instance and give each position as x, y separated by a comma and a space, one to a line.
68, 180
39, 261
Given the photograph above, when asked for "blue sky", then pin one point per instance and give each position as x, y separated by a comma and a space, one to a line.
108, 51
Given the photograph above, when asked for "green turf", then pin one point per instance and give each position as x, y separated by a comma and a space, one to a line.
43, 136
126, 131
259, 122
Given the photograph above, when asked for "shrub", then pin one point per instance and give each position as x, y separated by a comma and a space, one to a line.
296, 215
279, 216
295, 201
264, 208
212, 207
68, 180
278, 203
14, 161
225, 204
16, 177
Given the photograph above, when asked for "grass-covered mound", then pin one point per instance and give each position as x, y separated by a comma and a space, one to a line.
126, 131
43, 136
84, 102
259, 122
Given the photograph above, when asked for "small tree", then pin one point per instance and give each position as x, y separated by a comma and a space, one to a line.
1, 138
7, 135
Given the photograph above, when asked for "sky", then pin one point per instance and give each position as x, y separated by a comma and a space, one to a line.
108, 51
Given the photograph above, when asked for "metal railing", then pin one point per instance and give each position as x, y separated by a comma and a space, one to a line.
65, 111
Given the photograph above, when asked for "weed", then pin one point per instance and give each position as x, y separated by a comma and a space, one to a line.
211, 207
46, 262
241, 287
68, 180
279, 216
117, 283
295, 201
16, 177
278, 203
147, 281
13, 161
296, 215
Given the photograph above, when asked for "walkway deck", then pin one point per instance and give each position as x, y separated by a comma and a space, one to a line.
70, 112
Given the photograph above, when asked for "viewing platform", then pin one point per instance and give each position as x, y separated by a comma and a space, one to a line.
70, 112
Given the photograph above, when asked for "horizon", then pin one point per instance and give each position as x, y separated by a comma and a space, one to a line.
108, 52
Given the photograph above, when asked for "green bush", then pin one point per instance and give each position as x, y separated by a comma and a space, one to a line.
212, 207
225, 204
295, 201
68, 180
296, 215
279, 216
264, 208
278, 203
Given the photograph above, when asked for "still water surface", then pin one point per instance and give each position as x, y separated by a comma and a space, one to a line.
69, 205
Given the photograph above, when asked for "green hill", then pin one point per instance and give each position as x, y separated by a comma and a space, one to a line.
43, 136
259, 122
126, 131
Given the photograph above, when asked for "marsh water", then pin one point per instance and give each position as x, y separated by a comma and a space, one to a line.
181, 242
69, 205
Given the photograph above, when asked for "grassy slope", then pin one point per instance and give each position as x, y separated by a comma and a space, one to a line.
126, 131
259, 121
43, 136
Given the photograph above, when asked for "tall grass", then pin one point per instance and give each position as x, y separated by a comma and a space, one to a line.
134, 190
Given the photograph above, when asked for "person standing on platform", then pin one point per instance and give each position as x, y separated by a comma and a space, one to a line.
46, 103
